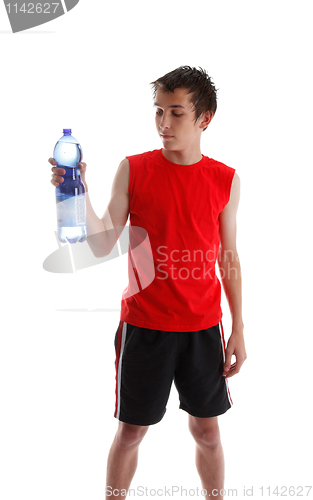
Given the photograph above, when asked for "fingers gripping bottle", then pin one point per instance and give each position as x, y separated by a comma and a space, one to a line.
70, 194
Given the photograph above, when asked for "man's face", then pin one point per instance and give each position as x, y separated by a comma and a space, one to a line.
175, 120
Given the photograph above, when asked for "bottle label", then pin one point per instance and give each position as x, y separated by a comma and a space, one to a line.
80, 209
71, 210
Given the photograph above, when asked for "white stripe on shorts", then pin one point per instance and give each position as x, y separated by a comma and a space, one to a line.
224, 350
119, 375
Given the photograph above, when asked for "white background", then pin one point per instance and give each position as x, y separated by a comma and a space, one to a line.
90, 70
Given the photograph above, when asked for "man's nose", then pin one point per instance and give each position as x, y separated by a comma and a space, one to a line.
164, 122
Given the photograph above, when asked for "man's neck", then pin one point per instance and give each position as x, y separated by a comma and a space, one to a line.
184, 157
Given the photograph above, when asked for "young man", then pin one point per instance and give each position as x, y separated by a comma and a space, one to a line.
171, 329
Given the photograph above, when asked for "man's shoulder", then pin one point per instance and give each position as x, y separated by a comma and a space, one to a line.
216, 163
143, 156
220, 167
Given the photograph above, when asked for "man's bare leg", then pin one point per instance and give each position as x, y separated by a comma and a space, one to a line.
123, 458
209, 455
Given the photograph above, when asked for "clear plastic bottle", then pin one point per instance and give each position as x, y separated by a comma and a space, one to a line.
70, 194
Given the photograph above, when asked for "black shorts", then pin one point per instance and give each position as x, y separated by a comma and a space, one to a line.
147, 361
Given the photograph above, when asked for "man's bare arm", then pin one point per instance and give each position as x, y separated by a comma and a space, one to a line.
228, 259
230, 271
105, 232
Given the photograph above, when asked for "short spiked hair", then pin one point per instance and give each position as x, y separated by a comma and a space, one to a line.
196, 81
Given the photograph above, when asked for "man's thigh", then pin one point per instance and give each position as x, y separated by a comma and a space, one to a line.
145, 364
203, 391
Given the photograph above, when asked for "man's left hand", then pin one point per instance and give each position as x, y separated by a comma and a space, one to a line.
236, 347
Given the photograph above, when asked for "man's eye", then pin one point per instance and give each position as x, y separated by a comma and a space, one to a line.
161, 112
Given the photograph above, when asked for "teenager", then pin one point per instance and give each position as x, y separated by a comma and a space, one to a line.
170, 328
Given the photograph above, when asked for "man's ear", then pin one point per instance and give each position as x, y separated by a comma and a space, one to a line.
205, 119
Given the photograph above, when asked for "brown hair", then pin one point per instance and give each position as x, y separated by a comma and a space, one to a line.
197, 81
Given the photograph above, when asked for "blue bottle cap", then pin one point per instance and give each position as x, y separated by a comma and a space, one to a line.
67, 131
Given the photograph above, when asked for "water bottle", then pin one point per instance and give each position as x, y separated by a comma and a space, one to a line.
70, 194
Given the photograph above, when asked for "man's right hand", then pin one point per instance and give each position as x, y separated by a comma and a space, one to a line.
57, 173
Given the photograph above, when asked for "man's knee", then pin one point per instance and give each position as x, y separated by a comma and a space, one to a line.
205, 431
129, 434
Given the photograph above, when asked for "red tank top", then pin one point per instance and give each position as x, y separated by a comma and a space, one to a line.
174, 242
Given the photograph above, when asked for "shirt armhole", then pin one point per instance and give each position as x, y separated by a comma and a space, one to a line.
229, 185
131, 177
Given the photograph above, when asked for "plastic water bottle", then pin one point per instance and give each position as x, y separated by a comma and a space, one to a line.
70, 194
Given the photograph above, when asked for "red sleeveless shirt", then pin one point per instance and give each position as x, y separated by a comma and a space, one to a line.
174, 242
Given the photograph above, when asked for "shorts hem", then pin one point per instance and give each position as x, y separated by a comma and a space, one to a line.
133, 421
208, 414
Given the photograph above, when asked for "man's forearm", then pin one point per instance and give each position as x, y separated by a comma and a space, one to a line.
230, 271
97, 237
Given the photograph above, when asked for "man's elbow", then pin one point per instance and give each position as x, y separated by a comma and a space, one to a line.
100, 254
228, 254
98, 247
